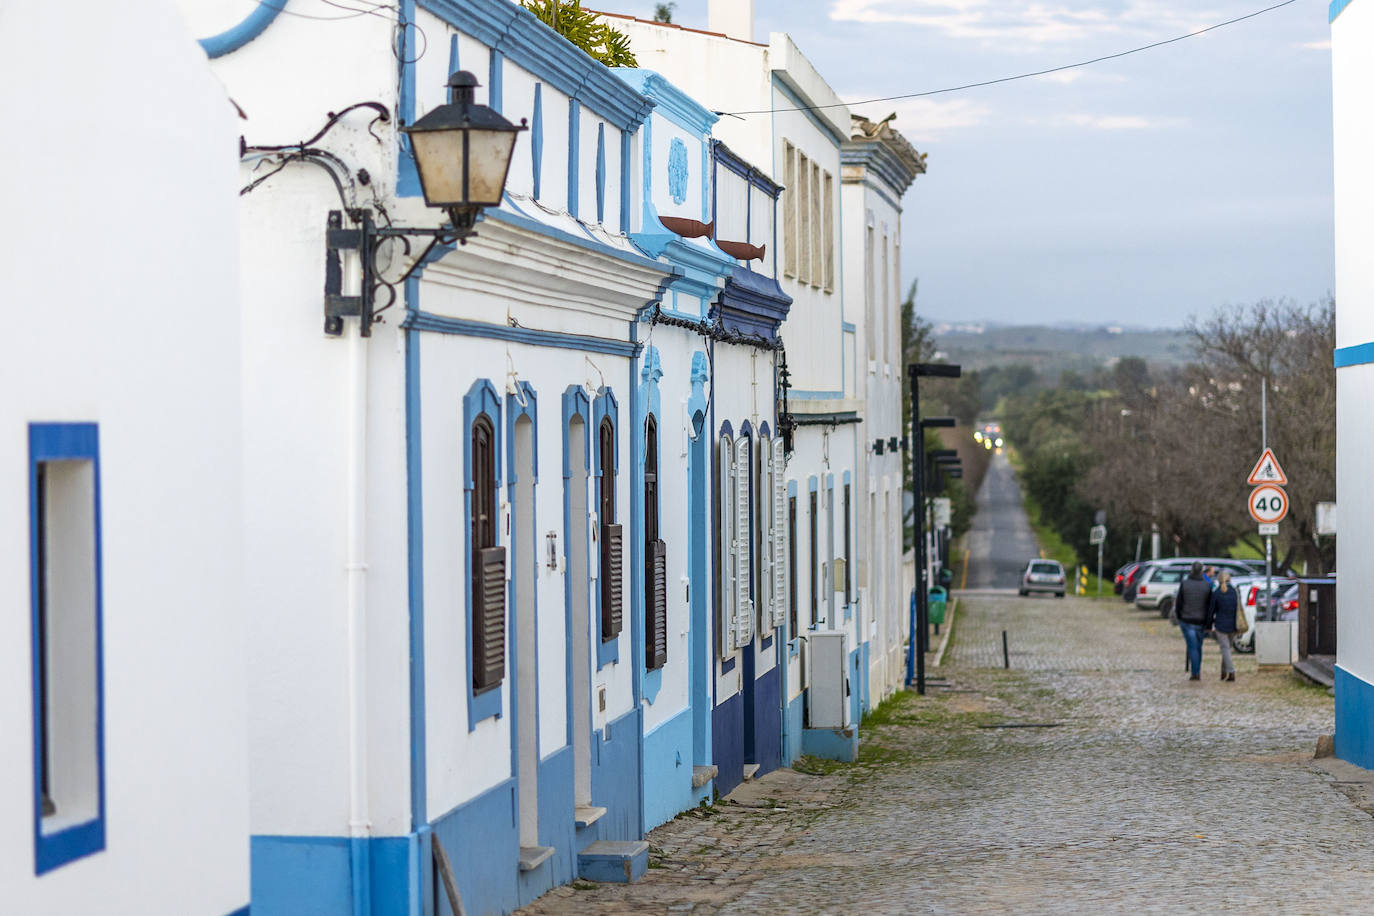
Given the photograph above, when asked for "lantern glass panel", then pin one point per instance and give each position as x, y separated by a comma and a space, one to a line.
489, 155
439, 156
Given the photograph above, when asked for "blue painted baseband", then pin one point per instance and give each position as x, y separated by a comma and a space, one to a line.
832, 743
1337, 7
1354, 719
768, 720
668, 770
1358, 355
727, 743
312, 876
241, 911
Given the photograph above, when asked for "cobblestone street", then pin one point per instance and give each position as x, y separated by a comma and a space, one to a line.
1091, 777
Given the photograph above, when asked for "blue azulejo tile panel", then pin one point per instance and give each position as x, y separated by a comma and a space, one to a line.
768, 720
668, 770
727, 742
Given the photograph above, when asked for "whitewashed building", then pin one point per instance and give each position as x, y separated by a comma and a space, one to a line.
781, 115
124, 773
1352, 32
878, 166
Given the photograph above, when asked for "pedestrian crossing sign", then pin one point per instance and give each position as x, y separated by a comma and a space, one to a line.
1267, 470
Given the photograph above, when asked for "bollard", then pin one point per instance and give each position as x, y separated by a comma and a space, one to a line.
1006, 656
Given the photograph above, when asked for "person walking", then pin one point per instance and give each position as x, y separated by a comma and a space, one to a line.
1222, 612
1191, 604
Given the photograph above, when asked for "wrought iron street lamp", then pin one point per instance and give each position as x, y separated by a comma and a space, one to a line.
462, 153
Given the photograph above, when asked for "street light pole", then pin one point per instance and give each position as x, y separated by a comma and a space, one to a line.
920, 610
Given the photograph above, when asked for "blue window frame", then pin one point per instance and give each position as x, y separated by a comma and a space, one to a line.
481, 419
68, 666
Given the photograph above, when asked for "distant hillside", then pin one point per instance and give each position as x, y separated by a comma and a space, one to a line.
1054, 349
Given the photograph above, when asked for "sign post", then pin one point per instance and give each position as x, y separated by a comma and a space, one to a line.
1268, 505
1098, 536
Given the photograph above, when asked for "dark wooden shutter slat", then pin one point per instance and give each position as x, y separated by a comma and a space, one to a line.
489, 621
656, 605
612, 547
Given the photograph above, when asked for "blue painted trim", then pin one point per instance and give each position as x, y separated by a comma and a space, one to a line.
670, 101
699, 558
625, 163
649, 404
415, 570
480, 399
575, 404
241, 911
1337, 7
495, 93
605, 405
454, 64
744, 169
1354, 719
407, 173
799, 395
601, 172
520, 576
876, 158
825, 127
65, 442
253, 25
574, 154
847, 327
529, 44
1358, 355
463, 327
585, 242
537, 137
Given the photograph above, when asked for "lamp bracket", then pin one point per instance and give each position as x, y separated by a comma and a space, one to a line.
364, 241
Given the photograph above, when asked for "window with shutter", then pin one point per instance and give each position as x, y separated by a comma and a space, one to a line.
488, 564
725, 565
744, 605
848, 578
655, 558
814, 555
612, 599
792, 563
781, 534
763, 534
612, 546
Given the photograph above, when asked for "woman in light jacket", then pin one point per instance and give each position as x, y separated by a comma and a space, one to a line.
1221, 620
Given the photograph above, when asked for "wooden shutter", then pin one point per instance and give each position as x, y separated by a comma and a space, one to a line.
489, 619
763, 521
744, 605
656, 605
725, 623
780, 534
612, 599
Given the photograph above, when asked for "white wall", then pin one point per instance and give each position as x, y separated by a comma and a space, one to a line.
128, 149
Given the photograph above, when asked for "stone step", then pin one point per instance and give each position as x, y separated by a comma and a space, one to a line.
531, 857
614, 861
586, 815
750, 769
702, 775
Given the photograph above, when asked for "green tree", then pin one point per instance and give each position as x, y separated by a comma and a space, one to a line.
585, 29
663, 12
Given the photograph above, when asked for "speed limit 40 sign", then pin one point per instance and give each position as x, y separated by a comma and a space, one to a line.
1268, 504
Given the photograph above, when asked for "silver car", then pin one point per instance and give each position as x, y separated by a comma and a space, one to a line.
1159, 584
1043, 576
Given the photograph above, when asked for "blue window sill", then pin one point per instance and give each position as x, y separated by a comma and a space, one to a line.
484, 705
607, 653
54, 850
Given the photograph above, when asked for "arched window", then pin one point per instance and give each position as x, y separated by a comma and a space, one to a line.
655, 559
612, 547
488, 564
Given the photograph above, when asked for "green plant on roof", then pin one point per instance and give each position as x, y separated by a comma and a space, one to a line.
585, 30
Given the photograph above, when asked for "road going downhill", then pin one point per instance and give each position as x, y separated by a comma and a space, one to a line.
1001, 540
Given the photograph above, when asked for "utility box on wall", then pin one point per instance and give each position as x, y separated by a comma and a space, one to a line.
829, 685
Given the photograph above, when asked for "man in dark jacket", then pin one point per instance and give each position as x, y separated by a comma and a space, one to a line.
1190, 606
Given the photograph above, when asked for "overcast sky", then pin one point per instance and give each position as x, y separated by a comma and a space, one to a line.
1138, 191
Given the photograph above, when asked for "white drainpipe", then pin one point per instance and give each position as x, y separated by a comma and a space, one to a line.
359, 821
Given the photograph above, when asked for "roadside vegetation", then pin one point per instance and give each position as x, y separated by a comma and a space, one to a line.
1173, 446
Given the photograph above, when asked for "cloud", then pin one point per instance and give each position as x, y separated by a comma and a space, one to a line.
1120, 122
926, 120
1018, 24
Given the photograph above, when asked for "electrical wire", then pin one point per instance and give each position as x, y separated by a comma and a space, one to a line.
1019, 76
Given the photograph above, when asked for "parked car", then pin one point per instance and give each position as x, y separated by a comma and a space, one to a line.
1128, 580
1252, 598
1159, 583
1118, 581
1043, 576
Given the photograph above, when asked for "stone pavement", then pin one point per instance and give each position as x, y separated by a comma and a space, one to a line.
1121, 787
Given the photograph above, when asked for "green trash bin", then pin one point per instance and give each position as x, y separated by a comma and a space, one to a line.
937, 605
